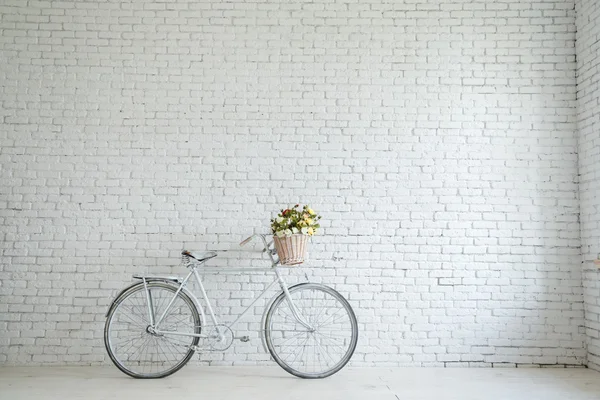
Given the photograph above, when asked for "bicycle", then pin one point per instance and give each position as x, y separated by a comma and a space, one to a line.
154, 326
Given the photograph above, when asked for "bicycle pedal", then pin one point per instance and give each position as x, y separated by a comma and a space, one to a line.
245, 339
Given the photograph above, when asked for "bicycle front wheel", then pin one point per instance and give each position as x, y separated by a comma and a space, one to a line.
311, 353
132, 344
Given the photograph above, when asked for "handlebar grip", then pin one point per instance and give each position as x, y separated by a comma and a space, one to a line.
245, 241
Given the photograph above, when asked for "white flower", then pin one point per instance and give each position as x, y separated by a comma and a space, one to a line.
294, 230
305, 231
279, 220
280, 233
288, 232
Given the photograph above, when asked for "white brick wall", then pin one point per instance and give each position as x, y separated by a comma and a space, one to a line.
588, 105
435, 136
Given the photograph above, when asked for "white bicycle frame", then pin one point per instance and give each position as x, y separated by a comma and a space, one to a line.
194, 265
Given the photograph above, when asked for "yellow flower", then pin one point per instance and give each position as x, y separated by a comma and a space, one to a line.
309, 221
311, 231
310, 211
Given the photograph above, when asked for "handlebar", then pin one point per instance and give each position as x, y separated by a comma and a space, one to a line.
271, 252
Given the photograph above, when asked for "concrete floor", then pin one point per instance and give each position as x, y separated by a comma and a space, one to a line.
93, 383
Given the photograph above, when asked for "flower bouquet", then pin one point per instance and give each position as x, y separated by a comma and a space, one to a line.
291, 229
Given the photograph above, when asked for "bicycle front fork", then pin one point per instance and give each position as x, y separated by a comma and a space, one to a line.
291, 304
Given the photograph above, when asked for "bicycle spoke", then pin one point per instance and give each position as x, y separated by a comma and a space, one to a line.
131, 345
135, 321
332, 335
324, 352
130, 341
300, 350
139, 349
330, 317
139, 308
292, 337
332, 343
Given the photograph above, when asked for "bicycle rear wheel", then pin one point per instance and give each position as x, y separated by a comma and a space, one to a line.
128, 336
316, 353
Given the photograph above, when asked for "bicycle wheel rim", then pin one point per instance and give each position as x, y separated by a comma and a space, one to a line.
318, 354
133, 349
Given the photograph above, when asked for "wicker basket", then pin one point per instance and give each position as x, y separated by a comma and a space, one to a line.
291, 249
